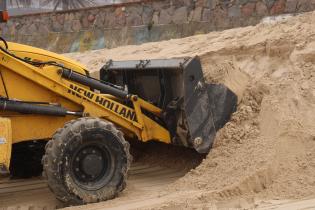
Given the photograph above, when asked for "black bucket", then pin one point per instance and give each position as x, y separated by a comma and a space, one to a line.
193, 110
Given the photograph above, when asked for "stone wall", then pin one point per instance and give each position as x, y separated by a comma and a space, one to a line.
139, 22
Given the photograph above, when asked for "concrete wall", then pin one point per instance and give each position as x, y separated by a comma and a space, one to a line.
139, 22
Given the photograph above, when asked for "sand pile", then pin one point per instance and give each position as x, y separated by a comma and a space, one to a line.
268, 147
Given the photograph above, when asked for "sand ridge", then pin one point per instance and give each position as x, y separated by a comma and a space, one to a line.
267, 150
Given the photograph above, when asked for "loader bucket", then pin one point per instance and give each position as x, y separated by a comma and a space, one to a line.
193, 110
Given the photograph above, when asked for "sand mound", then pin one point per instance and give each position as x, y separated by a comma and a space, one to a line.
268, 147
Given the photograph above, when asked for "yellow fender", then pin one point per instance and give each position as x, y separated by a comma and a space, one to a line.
5, 144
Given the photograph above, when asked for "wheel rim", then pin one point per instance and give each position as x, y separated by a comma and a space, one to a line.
91, 165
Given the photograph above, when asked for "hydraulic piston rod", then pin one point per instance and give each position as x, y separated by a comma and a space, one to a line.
92, 83
29, 108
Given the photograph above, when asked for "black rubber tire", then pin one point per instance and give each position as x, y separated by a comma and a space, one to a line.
66, 143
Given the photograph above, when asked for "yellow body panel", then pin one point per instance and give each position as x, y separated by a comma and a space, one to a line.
5, 142
37, 54
26, 82
30, 127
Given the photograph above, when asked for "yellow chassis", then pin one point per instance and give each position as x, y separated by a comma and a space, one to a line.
25, 82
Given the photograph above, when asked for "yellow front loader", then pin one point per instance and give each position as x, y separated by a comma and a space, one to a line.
52, 110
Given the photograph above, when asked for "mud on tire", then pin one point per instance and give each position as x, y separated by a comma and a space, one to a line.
86, 161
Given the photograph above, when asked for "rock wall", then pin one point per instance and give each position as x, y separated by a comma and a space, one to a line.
141, 21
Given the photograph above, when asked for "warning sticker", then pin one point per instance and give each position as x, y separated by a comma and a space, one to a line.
2, 140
